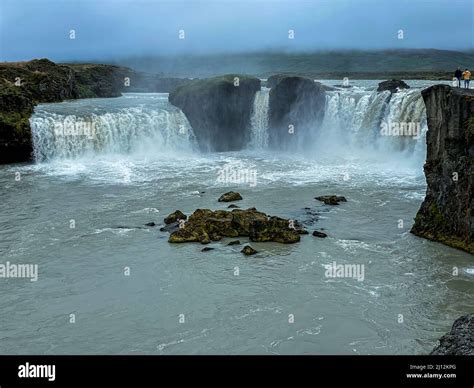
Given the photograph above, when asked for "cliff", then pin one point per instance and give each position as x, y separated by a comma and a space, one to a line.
218, 109
296, 107
25, 84
446, 214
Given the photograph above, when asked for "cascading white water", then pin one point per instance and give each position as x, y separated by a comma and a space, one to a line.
57, 134
259, 120
354, 120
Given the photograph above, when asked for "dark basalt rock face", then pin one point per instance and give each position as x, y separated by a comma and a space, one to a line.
219, 110
273, 80
459, 341
205, 225
296, 108
392, 85
446, 214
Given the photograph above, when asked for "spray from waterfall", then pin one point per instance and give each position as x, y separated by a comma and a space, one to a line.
355, 120
259, 120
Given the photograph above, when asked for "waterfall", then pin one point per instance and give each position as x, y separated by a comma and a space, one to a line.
259, 120
57, 134
354, 120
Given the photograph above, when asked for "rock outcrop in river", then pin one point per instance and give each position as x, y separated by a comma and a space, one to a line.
205, 225
296, 107
218, 109
459, 341
446, 214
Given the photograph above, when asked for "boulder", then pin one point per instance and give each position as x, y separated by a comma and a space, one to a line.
319, 234
459, 341
393, 85
218, 109
331, 199
296, 109
446, 214
229, 197
248, 250
175, 217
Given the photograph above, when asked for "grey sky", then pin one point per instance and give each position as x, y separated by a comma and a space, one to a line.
120, 28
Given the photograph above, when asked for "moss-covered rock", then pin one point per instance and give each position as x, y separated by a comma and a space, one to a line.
446, 214
230, 197
248, 250
175, 217
273, 229
218, 109
205, 225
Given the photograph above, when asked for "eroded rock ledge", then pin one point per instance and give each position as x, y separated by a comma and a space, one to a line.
446, 214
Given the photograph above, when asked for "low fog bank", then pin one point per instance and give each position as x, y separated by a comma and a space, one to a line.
265, 63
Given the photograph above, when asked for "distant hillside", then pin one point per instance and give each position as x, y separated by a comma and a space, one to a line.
265, 63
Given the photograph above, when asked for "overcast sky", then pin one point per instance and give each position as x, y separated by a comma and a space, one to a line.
113, 29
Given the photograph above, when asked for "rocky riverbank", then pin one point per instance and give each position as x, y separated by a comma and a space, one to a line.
446, 214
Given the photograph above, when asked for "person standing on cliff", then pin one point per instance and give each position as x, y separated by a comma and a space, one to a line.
458, 76
466, 76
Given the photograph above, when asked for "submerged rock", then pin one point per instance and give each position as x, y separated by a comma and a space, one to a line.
175, 217
331, 199
248, 250
150, 224
319, 234
230, 196
207, 249
218, 109
459, 341
393, 85
446, 214
205, 225
232, 206
234, 242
